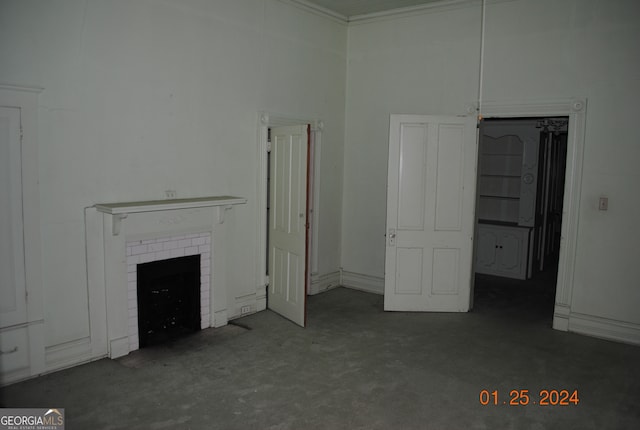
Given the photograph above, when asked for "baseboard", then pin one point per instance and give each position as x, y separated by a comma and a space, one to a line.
220, 318
119, 347
247, 303
605, 328
561, 315
322, 283
261, 298
358, 281
17, 375
68, 354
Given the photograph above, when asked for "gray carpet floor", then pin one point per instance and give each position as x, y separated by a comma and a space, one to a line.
357, 367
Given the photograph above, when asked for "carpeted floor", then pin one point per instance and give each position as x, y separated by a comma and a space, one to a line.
357, 367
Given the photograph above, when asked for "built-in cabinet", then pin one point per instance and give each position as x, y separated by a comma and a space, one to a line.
507, 188
22, 352
503, 250
520, 181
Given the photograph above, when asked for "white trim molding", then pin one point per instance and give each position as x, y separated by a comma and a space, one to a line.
30, 331
317, 10
604, 328
324, 283
359, 281
431, 7
68, 354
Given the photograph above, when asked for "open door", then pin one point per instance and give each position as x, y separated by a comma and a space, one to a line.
430, 213
288, 224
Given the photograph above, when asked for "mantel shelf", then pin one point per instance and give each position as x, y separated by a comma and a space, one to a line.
165, 205
120, 211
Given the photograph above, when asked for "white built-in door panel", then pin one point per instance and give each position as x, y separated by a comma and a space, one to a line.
430, 213
487, 249
288, 222
12, 268
529, 183
510, 246
502, 250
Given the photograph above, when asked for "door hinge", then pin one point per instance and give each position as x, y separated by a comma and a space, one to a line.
21, 134
269, 146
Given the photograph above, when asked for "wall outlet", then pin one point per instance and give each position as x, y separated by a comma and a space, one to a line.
170, 194
603, 204
245, 310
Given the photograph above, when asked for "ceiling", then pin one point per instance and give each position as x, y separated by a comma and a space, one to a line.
349, 8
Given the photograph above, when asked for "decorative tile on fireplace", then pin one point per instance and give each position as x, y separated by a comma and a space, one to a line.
165, 248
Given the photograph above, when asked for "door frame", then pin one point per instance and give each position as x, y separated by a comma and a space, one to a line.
268, 120
575, 109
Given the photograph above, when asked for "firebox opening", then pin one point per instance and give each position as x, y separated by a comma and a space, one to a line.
168, 299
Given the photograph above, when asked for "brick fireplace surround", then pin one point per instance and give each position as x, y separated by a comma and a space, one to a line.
164, 248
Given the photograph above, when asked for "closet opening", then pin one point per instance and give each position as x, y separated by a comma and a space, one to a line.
520, 194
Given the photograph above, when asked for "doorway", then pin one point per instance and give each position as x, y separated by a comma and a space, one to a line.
292, 132
519, 213
288, 215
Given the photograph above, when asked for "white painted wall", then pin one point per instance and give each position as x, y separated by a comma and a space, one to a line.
421, 64
535, 50
145, 96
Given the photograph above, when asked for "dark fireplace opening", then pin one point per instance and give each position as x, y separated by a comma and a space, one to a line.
168, 299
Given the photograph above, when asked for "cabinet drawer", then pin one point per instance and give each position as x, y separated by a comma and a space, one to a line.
14, 351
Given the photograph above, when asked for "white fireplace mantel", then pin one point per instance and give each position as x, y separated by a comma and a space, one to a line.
120, 211
108, 262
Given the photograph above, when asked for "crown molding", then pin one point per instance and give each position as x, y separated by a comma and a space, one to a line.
317, 10
436, 6
413, 10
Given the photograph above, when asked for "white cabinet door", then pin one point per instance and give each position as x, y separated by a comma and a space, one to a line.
528, 184
502, 251
13, 303
288, 222
430, 213
511, 257
487, 251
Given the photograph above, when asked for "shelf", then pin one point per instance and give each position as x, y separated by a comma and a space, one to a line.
164, 205
493, 175
120, 211
500, 223
502, 154
499, 197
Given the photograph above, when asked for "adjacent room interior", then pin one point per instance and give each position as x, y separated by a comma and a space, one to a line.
520, 192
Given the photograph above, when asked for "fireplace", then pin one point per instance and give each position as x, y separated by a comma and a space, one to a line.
123, 236
168, 288
168, 299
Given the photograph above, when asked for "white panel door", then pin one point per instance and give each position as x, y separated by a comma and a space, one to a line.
13, 303
430, 213
288, 222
